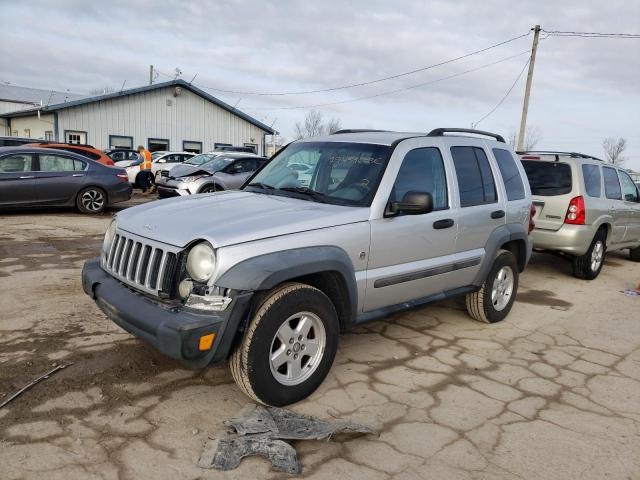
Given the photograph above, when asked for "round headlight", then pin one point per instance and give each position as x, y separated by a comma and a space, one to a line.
108, 236
201, 262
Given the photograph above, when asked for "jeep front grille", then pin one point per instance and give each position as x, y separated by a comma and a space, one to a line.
145, 265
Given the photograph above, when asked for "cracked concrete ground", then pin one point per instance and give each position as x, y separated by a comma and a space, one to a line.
551, 392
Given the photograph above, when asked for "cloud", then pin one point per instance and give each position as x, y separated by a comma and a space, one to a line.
295, 45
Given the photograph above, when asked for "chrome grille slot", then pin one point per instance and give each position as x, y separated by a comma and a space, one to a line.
144, 264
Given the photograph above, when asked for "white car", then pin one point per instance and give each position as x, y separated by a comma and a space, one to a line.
159, 160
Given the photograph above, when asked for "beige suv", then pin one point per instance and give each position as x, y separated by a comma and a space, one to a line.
584, 207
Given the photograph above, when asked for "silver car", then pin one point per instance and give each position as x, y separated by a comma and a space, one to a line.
584, 208
208, 173
269, 275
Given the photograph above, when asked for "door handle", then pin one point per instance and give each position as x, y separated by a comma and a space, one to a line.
440, 224
26, 177
497, 214
78, 175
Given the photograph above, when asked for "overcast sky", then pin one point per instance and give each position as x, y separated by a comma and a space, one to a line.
584, 89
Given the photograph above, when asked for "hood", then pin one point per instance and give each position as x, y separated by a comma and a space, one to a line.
232, 217
185, 170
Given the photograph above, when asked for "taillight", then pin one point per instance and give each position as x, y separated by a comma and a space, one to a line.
575, 212
532, 213
529, 157
123, 176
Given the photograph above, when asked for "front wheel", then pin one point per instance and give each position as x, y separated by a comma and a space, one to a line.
211, 189
495, 298
289, 347
91, 200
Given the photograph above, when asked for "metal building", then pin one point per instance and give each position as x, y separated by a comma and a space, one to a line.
172, 115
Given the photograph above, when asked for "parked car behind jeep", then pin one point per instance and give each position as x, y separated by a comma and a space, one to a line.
269, 275
220, 172
585, 208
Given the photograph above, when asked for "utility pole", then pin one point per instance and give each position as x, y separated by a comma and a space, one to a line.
527, 91
150, 74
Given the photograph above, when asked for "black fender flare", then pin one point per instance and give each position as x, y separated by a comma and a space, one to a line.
264, 272
501, 235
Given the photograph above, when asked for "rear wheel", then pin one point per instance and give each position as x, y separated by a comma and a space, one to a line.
91, 200
495, 298
589, 265
289, 347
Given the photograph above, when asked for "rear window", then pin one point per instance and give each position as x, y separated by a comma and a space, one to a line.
592, 183
510, 174
548, 178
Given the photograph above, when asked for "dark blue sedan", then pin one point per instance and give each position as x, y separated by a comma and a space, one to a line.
40, 177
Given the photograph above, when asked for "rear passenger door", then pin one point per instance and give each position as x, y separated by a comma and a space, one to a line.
59, 178
615, 205
631, 199
413, 256
17, 187
481, 209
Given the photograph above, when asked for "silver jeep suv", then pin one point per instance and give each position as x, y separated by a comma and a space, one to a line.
584, 208
269, 275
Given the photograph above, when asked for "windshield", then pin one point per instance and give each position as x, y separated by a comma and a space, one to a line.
200, 159
217, 164
331, 172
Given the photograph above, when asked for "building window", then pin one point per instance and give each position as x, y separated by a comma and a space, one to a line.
120, 141
252, 145
48, 135
194, 147
218, 145
77, 137
158, 144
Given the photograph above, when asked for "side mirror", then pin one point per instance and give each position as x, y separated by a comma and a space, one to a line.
413, 203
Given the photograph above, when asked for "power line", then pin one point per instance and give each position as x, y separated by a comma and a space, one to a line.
390, 92
368, 82
474, 125
559, 33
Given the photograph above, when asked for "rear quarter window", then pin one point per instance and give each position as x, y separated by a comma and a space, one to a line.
510, 174
548, 179
592, 180
611, 183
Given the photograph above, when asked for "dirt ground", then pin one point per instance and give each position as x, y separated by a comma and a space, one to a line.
553, 392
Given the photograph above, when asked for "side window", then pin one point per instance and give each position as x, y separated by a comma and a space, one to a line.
475, 179
244, 166
629, 190
510, 174
117, 156
592, 183
422, 170
18, 162
611, 183
56, 163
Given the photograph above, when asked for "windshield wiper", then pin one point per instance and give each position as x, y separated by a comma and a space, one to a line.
261, 185
317, 196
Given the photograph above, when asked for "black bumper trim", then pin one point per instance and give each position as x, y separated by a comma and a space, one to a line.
174, 331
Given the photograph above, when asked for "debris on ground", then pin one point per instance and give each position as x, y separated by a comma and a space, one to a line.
262, 431
34, 382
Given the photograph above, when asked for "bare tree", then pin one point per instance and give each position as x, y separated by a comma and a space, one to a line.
101, 90
614, 148
314, 125
532, 137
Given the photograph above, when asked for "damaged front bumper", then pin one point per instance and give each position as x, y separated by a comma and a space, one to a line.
174, 330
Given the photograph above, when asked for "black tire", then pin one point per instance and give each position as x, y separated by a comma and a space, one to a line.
92, 200
251, 362
211, 188
583, 265
137, 183
634, 254
480, 305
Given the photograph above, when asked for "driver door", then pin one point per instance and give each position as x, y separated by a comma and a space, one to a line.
413, 256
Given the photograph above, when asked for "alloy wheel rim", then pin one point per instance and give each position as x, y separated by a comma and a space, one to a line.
502, 288
297, 348
92, 200
597, 254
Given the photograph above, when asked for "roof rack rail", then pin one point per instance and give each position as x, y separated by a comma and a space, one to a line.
439, 132
553, 152
357, 130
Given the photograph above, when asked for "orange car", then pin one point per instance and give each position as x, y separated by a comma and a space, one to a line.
84, 150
